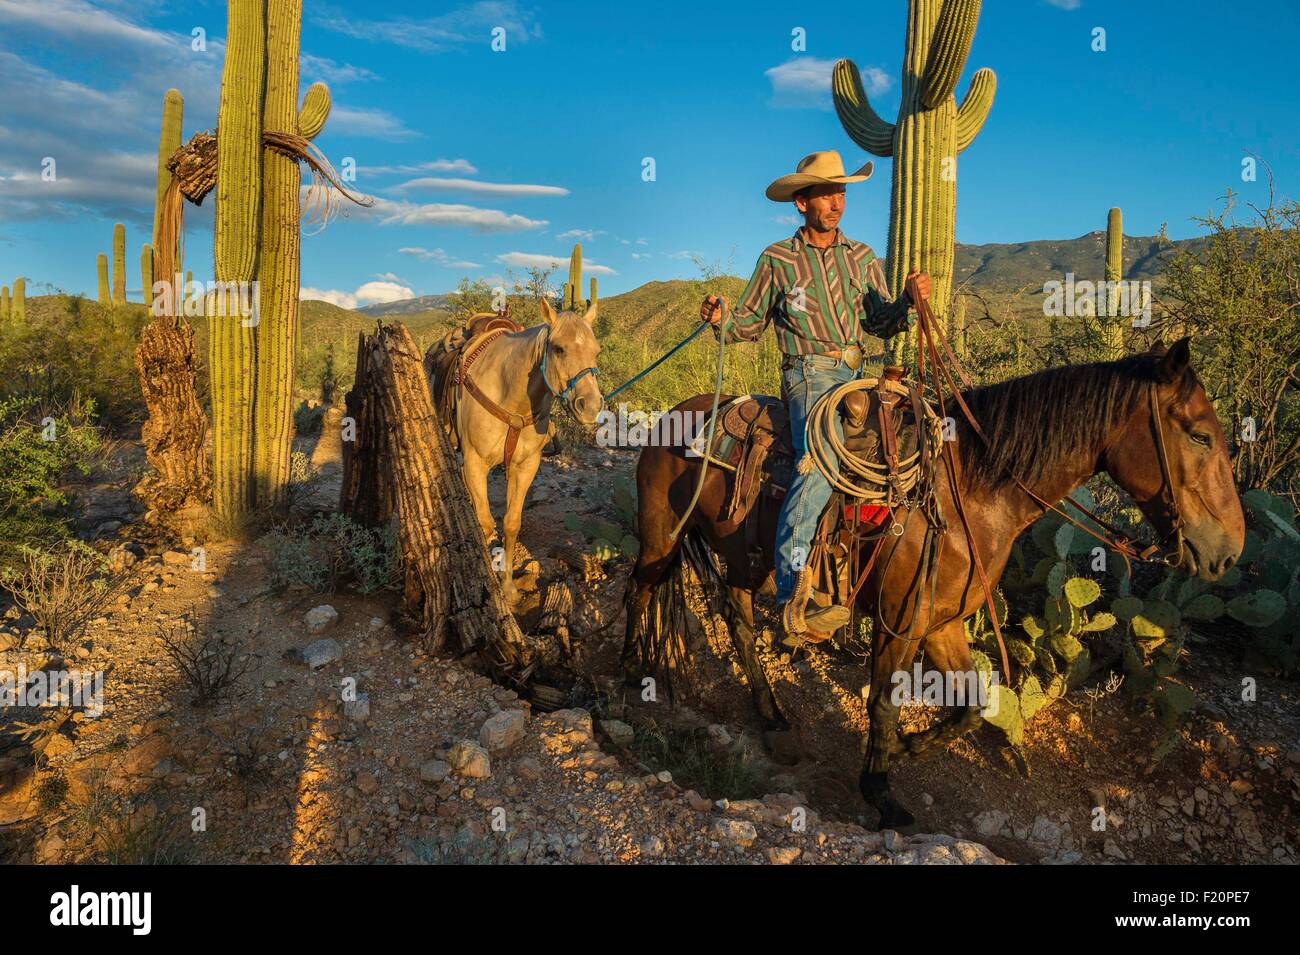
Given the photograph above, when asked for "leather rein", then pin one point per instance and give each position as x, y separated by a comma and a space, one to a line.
514, 422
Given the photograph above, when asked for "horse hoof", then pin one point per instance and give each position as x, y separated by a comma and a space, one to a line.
782, 746
897, 818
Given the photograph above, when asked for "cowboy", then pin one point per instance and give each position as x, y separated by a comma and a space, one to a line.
826, 293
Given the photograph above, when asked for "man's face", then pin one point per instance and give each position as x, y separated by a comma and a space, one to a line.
822, 207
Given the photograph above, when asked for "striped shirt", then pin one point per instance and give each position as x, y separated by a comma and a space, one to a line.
821, 299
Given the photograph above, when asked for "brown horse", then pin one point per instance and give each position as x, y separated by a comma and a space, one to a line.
1053, 430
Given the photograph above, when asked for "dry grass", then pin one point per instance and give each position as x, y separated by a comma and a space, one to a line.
64, 592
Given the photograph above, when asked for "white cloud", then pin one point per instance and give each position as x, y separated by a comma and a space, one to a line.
485, 188
322, 68
586, 235
806, 81
370, 293
458, 216
1065, 4
436, 165
438, 255
529, 260
789, 219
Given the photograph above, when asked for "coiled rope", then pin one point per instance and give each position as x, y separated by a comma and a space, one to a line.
848, 471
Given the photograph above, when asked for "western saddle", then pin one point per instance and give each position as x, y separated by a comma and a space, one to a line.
447, 361
753, 443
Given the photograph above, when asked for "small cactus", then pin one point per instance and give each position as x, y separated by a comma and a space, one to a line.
146, 272
119, 264
4, 303
18, 302
1111, 325
573, 287
101, 268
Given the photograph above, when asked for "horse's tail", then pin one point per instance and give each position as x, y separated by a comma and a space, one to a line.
662, 630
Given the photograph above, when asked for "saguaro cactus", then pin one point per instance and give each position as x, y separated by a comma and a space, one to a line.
119, 264
101, 267
1112, 325
573, 287
146, 272
4, 303
169, 140
231, 350
592, 303
277, 331
18, 302
930, 131
956, 330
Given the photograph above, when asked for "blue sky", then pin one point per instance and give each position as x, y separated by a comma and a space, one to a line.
485, 161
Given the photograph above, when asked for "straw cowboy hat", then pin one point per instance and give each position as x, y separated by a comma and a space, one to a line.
816, 169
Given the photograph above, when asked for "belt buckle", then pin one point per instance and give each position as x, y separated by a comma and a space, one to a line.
853, 356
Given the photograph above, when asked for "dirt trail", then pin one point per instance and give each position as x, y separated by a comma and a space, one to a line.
446, 766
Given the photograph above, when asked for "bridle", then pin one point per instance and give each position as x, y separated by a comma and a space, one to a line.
565, 395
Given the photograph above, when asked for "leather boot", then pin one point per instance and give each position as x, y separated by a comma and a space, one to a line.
815, 623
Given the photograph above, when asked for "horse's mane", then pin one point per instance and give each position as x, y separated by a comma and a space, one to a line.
1036, 422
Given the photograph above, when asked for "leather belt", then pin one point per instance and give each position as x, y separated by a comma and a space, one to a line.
851, 356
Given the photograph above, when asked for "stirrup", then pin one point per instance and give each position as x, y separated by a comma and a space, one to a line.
810, 624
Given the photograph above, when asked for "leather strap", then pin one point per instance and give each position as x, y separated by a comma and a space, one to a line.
515, 423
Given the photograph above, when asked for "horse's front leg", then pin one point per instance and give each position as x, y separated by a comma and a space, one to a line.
947, 651
475, 471
889, 657
523, 468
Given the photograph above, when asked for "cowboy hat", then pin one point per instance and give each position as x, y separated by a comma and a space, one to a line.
816, 169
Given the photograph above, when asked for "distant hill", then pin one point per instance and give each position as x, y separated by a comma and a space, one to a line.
1004, 267
424, 303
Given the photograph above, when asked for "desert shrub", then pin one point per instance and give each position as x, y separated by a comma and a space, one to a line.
211, 668
695, 763
39, 444
139, 840
307, 419
63, 591
331, 550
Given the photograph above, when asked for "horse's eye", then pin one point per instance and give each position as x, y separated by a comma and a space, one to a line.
1201, 438
557, 350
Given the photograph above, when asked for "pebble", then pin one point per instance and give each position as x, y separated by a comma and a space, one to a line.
320, 618
321, 653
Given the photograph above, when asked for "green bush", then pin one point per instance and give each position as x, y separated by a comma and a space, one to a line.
332, 550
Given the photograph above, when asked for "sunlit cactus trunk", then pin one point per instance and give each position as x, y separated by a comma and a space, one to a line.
1112, 324
119, 264
231, 349
930, 131
573, 287
18, 302
4, 303
277, 331
956, 330
169, 140
101, 267
146, 272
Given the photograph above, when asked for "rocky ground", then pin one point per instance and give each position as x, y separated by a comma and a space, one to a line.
344, 741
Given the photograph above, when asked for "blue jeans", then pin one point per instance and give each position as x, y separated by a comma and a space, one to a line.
804, 379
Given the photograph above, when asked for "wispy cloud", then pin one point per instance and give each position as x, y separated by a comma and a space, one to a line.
372, 123
586, 235
454, 30
436, 165
313, 68
439, 256
529, 260
455, 215
805, 81
435, 184
1065, 4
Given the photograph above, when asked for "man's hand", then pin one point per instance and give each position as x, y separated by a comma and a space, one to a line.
918, 286
712, 309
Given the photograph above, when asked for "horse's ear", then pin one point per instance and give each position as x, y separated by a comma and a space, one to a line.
590, 316
548, 313
1159, 347
1173, 363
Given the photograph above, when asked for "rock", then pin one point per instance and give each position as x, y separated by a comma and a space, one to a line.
49, 849
783, 855
736, 832
144, 758
653, 847
469, 759
892, 840
320, 618
108, 528
358, 709
619, 732
1045, 834
434, 771
1112, 851
367, 785
719, 736
502, 731
321, 653
529, 768
697, 802
177, 558
18, 801
990, 822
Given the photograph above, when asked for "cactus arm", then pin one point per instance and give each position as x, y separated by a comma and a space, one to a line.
975, 107
860, 121
169, 140
18, 302
315, 110
101, 268
948, 50
4, 303
146, 272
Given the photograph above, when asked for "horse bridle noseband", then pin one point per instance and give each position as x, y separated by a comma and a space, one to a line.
564, 396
